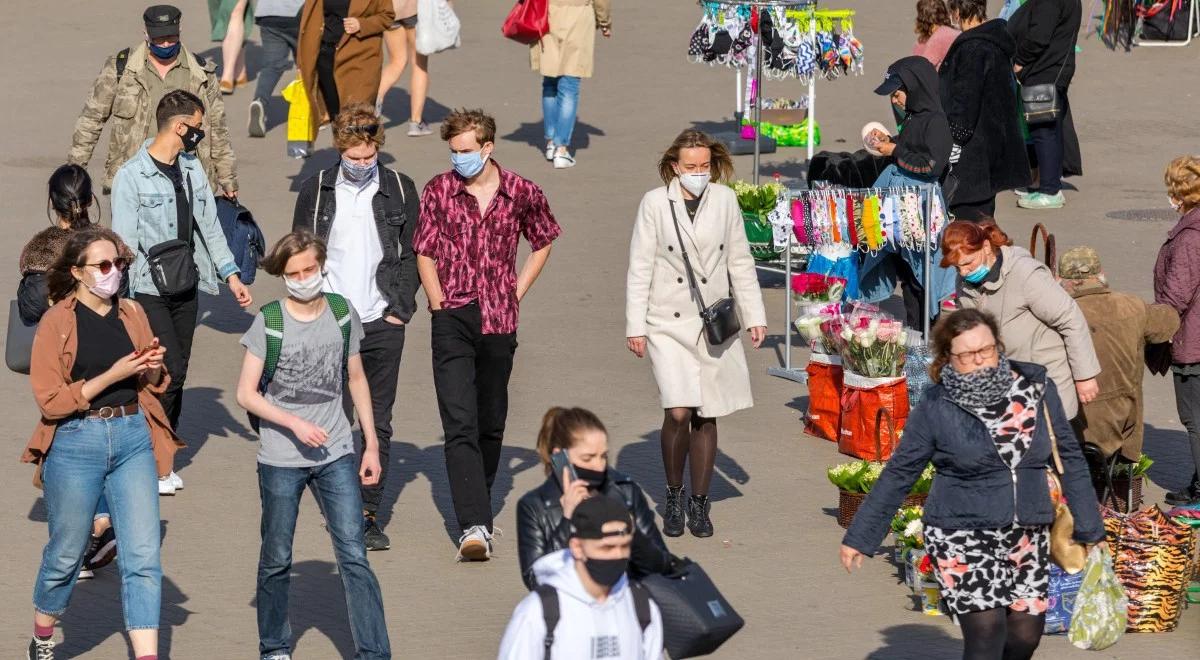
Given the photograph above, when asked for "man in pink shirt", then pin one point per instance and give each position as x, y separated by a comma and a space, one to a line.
466, 245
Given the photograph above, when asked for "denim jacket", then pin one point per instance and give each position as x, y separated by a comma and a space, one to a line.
974, 488
143, 212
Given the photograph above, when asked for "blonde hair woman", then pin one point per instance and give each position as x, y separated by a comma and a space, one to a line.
697, 214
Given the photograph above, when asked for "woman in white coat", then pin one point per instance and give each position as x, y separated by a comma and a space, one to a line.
699, 382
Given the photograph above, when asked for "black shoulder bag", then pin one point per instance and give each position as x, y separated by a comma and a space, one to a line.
172, 264
720, 319
1040, 103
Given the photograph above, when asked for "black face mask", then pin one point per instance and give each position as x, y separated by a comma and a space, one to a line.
596, 479
606, 572
191, 138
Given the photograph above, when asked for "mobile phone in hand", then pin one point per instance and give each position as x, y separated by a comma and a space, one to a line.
558, 461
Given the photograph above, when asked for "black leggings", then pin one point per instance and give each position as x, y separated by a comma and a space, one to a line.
1000, 634
326, 83
688, 437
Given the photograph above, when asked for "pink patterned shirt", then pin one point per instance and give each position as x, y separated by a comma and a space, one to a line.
476, 253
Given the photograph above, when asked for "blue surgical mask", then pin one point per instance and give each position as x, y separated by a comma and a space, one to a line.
164, 52
359, 174
469, 164
979, 274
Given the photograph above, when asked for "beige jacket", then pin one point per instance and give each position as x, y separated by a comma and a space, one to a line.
1039, 322
660, 305
567, 50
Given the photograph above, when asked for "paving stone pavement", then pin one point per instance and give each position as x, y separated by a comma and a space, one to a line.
775, 550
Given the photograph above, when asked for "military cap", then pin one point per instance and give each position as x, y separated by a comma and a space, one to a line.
1079, 263
162, 21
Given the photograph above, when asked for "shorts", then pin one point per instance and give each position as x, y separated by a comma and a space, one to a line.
410, 23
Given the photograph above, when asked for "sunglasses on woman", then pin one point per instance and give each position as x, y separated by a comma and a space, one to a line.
106, 266
365, 129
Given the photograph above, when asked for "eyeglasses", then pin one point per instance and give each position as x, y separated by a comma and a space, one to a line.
366, 129
106, 266
967, 357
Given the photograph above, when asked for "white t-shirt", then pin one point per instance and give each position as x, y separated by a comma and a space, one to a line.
354, 251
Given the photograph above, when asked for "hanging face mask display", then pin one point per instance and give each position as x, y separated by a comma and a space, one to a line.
191, 137
695, 183
305, 290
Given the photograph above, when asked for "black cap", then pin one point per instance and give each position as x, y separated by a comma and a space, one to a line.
162, 21
891, 82
593, 513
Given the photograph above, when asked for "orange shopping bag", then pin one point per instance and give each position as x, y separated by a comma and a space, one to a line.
824, 417
865, 401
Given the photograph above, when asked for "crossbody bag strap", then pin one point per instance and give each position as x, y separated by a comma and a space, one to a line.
1058, 466
317, 204
192, 216
687, 262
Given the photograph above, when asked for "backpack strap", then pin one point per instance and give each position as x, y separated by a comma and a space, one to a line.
122, 60
549, 598
341, 313
641, 604
317, 204
273, 326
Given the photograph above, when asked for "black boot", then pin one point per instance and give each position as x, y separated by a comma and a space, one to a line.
673, 517
698, 521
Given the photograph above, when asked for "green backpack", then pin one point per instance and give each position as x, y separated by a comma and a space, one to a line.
272, 313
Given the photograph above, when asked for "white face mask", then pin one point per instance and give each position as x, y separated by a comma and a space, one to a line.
305, 290
695, 183
1176, 205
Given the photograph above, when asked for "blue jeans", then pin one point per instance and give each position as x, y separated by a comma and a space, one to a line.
560, 101
91, 459
337, 489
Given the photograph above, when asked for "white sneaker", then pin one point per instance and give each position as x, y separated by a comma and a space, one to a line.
176, 480
563, 161
550, 149
166, 486
475, 544
419, 129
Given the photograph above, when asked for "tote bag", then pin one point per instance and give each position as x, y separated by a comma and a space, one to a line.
438, 27
528, 21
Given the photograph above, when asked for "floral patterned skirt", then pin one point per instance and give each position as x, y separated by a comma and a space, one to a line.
982, 569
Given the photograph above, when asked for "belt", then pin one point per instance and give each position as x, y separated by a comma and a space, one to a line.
109, 412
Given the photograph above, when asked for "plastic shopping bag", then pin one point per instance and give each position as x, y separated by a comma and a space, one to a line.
438, 27
1100, 607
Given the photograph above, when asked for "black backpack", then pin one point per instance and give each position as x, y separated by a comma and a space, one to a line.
550, 613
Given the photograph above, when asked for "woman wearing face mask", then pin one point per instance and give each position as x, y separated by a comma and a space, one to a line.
1176, 280
543, 513
697, 216
96, 372
1041, 323
984, 425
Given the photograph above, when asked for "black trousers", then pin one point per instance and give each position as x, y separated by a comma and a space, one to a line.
974, 211
470, 374
1048, 145
381, 348
1187, 401
173, 320
326, 83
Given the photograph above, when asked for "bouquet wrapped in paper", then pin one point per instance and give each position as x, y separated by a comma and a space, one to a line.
810, 324
817, 288
872, 345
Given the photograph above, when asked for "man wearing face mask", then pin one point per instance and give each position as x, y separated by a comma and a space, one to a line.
471, 218
367, 214
601, 614
162, 203
129, 88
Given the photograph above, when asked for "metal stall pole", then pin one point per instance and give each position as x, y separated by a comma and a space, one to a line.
812, 88
928, 262
756, 95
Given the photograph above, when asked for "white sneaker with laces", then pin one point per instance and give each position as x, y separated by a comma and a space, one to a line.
166, 486
550, 149
563, 160
176, 480
475, 544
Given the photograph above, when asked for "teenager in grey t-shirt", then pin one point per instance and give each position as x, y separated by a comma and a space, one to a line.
308, 383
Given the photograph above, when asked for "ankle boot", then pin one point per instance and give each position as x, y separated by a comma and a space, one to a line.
698, 521
673, 516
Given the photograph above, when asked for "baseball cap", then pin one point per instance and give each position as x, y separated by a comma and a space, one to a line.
593, 513
162, 21
891, 82
1079, 263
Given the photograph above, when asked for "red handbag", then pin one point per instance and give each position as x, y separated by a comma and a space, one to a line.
528, 21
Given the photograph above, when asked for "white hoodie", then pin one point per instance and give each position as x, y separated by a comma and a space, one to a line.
587, 629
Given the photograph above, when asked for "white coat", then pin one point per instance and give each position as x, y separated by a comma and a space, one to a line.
661, 306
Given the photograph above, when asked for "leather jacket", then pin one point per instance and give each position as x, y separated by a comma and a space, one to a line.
541, 528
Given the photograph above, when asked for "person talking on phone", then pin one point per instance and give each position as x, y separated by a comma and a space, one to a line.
96, 370
573, 447
689, 245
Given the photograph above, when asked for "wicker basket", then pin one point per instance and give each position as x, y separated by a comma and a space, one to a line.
848, 504
1120, 488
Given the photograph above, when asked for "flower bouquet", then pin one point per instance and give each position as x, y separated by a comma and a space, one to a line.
908, 531
927, 586
757, 199
1127, 482
872, 346
817, 288
810, 323
856, 478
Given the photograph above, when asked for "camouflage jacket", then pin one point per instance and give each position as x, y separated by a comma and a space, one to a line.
127, 101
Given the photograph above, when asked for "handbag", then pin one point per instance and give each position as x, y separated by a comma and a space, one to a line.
1069, 554
696, 618
1040, 103
172, 264
720, 318
438, 27
18, 346
528, 21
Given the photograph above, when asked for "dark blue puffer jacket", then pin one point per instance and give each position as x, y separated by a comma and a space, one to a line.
974, 488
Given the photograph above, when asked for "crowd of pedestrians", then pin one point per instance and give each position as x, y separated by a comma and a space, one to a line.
1019, 367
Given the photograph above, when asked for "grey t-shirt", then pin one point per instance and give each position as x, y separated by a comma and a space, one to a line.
307, 383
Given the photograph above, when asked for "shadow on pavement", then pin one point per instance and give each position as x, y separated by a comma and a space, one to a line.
643, 462
397, 105
917, 642
1172, 453
223, 314
95, 614
318, 603
205, 416
532, 134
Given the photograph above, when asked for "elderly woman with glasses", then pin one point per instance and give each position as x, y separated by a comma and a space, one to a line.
987, 425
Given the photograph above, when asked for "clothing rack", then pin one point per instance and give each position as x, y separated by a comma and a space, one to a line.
807, 5
799, 375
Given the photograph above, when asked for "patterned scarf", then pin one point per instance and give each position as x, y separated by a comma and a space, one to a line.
981, 387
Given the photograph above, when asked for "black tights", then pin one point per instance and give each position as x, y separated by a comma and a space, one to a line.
686, 437
1000, 634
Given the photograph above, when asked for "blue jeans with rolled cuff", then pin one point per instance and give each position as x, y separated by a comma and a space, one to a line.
560, 103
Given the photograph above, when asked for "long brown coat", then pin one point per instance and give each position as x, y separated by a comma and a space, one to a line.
1121, 325
358, 62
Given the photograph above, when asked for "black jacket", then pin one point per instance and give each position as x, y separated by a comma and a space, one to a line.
1046, 32
924, 144
979, 97
541, 528
974, 488
397, 208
